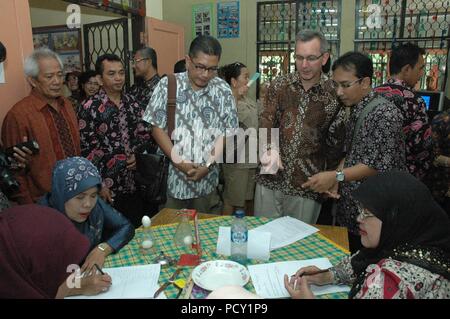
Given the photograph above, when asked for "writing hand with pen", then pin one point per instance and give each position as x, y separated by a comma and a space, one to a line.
95, 283
298, 284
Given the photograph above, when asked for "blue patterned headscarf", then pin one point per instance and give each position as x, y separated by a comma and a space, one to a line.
71, 177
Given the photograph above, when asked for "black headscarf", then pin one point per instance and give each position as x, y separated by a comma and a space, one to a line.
414, 228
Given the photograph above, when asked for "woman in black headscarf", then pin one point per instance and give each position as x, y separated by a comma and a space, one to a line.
406, 239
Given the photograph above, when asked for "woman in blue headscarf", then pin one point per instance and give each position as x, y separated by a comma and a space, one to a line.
76, 183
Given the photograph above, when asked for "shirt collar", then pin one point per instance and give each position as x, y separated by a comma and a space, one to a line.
188, 86
105, 98
365, 101
154, 79
296, 79
41, 102
399, 82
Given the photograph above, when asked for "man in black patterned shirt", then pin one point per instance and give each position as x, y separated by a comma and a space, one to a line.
111, 130
145, 64
374, 143
407, 66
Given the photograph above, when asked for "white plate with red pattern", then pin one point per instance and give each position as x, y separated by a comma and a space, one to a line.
215, 274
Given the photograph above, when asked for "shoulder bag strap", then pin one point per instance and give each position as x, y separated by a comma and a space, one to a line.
369, 108
171, 103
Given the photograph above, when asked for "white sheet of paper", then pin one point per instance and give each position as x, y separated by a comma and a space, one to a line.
2, 73
286, 230
268, 279
140, 282
224, 241
258, 245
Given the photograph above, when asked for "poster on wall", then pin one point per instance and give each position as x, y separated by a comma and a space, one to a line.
202, 19
228, 19
64, 41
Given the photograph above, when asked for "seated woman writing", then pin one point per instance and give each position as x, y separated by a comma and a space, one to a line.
76, 183
39, 249
406, 242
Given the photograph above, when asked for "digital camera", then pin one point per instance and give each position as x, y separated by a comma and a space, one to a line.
8, 183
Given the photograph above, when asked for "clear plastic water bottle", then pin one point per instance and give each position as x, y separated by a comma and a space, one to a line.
239, 238
147, 237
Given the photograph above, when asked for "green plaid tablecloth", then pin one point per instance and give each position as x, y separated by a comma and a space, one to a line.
314, 246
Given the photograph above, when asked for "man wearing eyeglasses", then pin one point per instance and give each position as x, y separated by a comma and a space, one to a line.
304, 107
374, 142
145, 64
205, 105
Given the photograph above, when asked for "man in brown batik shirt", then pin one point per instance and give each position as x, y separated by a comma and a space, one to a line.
311, 122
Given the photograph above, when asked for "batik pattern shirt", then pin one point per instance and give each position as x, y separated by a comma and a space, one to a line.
143, 91
56, 132
439, 177
379, 144
109, 136
392, 279
416, 126
201, 117
312, 132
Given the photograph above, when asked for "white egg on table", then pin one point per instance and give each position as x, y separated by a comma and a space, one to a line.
146, 244
146, 221
188, 240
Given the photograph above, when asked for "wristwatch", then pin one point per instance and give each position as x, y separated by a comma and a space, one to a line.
102, 247
209, 165
340, 177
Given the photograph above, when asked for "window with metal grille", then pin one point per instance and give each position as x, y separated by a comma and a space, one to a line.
280, 21
381, 23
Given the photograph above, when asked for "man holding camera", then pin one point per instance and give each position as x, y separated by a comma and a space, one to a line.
15, 158
45, 117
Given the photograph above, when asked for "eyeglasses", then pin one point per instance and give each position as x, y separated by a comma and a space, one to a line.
345, 85
203, 68
364, 213
309, 58
135, 61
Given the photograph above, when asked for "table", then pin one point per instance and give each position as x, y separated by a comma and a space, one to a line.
337, 234
314, 246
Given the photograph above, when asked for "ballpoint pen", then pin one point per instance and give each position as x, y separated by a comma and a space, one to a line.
99, 269
315, 272
312, 273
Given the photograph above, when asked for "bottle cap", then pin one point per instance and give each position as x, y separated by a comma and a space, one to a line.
239, 213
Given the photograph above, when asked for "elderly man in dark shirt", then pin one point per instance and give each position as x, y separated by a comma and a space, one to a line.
46, 117
311, 122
